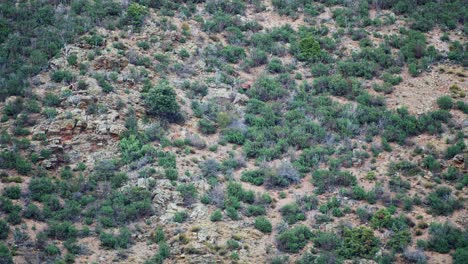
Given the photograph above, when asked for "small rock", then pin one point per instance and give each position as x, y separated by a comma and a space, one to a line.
459, 158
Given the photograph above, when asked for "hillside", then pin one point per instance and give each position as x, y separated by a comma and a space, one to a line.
233, 131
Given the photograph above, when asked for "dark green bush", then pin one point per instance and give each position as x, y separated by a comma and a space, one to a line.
441, 202
122, 240
171, 174
180, 217
444, 237
5, 255
327, 241
431, 164
72, 59
62, 75
334, 84
32, 211
462, 106
188, 192
263, 224
255, 210
284, 176
399, 239
266, 89
460, 255
445, 102
161, 101
40, 188
12, 192
52, 250
206, 126
324, 180
158, 235
210, 168
294, 239
455, 149
292, 213
4, 229
61, 230
233, 7
233, 54
309, 49
276, 66
320, 69
232, 213
234, 136
216, 216
256, 177
136, 14
359, 242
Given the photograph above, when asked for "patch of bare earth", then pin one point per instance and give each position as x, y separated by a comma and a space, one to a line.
419, 94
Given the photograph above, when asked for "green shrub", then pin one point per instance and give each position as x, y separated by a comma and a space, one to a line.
324, 180
189, 192
51, 100
292, 213
122, 240
180, 217
52, 250
441, 202
255, 210
206, 126
284, 176
334, 84
210, 168
161, 101
233, 54
445, 237
452, 174
445, 102
104, 170
171, 174
62, 75
309, 48
266, 89
62, 230
40, 188
216, 216
460, 255
263, 224
118, 180
5, 255
430, 163
14, 218
4, 229
158, 235
232, 213
320, 69
359, 242
360, 68
327, 241
276, 66
256, 177
294, 239
234, 136
399, 239
455, 149
32, 212
72, 59
136, 14
12, 192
